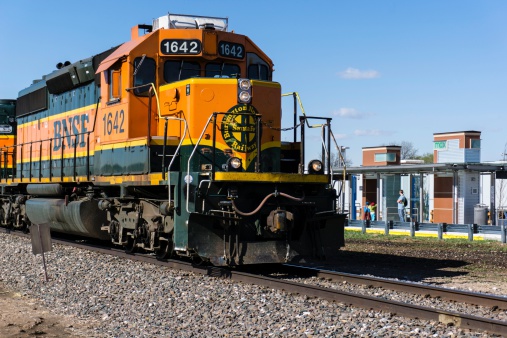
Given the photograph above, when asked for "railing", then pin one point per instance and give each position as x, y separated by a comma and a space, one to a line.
498, 232
12, 151
4, 163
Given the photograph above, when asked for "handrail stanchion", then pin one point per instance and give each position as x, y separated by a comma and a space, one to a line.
258, 143
14, 153
50, 159
164, 145
21, 163
5, 163
214, 149
75, 158
61, 160
88, 157
30, 165
302, 149
40, 161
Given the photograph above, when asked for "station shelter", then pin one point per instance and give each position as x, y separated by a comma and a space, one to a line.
446, 191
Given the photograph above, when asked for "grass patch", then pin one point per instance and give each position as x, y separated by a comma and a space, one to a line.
450, 243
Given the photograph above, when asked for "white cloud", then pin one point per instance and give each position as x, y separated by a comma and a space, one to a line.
340, 136
357, 74
350, 113
372, 132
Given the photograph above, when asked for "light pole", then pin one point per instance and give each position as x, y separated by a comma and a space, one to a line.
343, 157
500, 187
343, 163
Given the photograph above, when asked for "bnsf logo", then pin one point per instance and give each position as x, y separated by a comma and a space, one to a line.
68, 129
238, 131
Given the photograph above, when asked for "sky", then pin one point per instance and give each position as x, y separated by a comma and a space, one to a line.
385, 71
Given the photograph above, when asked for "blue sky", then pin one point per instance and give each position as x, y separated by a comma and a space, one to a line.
385, 71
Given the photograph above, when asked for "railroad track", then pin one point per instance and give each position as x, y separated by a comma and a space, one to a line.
354, 299
481, 299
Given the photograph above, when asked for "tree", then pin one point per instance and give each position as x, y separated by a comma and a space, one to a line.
427, 157
408, 151
336, 161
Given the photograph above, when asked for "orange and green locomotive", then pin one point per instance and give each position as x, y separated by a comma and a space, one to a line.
171, 143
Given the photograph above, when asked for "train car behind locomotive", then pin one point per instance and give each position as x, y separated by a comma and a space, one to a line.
171, 143
7, 136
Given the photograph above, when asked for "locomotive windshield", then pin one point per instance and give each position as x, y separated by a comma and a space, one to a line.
222, 70
177, 70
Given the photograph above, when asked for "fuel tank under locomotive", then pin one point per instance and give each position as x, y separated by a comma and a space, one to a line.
81, 217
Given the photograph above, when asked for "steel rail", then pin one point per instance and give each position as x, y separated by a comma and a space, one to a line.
482, 299
368, 302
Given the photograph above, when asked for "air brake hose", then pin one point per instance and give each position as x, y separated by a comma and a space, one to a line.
246, 214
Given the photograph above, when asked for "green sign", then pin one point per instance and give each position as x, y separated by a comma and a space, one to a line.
440, 145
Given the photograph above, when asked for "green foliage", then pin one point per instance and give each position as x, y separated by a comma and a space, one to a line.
427, 157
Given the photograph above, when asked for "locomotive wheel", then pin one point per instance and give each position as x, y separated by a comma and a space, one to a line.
26, 227
130, 247
165, 251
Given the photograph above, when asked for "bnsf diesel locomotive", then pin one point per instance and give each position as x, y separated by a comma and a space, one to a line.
169, 143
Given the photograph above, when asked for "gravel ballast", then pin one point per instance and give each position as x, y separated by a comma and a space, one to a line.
124, 298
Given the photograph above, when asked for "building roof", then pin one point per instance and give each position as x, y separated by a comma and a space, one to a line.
426, 168
459, 132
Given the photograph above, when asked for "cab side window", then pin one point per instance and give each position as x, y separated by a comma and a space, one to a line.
258, 72
258, 69
114, 82
144, 74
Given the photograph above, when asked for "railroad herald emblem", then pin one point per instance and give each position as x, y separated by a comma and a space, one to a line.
238, 128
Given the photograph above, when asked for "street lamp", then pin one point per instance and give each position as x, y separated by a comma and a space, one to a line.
343, 157
342, 162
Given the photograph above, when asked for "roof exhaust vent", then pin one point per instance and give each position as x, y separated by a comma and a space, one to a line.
208, 26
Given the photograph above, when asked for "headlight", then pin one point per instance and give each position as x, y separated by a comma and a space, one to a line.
244, 97
244, 84
315, 167
244, 91
234, 164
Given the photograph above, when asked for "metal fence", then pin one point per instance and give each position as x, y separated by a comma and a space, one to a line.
440, 230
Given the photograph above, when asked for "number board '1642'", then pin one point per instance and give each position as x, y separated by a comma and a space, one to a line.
231, 50
180, 46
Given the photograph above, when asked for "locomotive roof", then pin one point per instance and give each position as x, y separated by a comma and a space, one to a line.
120, 52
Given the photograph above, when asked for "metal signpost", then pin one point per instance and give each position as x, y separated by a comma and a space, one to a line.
41, 242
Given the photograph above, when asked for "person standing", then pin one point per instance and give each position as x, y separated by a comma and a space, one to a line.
373, 210
366, 212
402, 202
